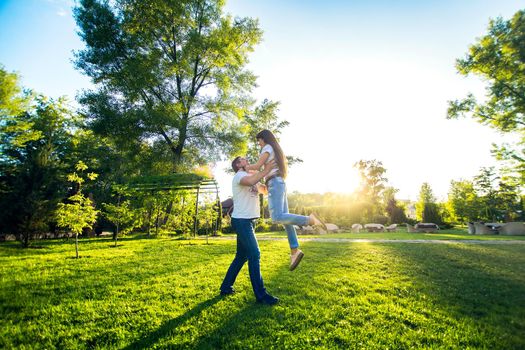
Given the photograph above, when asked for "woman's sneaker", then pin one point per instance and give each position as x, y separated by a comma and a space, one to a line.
318, 222
295, 259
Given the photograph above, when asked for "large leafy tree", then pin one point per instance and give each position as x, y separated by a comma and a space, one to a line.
499, 59
170, 71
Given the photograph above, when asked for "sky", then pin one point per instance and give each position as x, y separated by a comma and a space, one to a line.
356, 79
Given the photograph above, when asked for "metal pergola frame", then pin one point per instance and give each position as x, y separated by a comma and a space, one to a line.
192, 183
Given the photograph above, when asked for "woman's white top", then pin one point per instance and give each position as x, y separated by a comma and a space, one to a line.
269, 149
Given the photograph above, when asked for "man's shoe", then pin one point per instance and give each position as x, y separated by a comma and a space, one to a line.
295, 259
227, 292
268, 300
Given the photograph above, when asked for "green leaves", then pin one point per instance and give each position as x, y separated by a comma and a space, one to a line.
79, 212
167, 70
36, 145
12, 100
499, 59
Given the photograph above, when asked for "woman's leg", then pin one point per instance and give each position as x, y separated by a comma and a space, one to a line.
276, 205
290, 229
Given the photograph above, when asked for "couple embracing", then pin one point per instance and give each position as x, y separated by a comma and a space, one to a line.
246, 186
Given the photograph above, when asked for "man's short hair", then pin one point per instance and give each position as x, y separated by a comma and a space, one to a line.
235, 166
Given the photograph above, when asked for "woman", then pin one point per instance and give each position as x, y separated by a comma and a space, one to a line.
277, 201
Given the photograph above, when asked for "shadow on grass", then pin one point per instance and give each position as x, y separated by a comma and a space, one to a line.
288, 323
237, 325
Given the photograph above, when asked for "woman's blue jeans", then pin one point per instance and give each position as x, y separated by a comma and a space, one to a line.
278, 205
247, 250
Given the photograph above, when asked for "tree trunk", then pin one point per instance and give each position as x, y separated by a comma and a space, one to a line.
25, 239
118, 219
116, 236
76, 244
157, 223
150, 214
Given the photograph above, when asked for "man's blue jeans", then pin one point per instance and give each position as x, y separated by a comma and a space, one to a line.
278, 206
247, 250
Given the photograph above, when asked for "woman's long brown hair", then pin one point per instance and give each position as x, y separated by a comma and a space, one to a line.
268, 138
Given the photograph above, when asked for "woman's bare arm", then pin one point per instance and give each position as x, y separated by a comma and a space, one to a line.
251, 180
262, 159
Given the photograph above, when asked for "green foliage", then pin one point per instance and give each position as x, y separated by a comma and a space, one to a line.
122, 214
395, 212
485, 182
264, 116
172, 72
208, 215
427, 210
79, 213
36, 143
499, 196
373, 202
337, 208
463, 202
12, 100
164, 294
15, 131
371, 188
499, 59
488, 197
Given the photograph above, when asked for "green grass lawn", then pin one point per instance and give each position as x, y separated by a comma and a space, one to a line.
163, 293
452, 234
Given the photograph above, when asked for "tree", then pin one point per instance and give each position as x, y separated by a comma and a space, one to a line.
371, 187
499, 58
170, 71
122, 214
13, 102
508, 201
79, 212
264, 116
463, 202
485, 183
427, 210
36, 138
393, 209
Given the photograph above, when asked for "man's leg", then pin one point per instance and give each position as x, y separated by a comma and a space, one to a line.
235, 266
249, 242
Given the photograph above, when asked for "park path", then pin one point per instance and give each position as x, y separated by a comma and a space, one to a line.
365, 240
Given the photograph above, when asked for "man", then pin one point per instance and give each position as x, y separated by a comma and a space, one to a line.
246, 189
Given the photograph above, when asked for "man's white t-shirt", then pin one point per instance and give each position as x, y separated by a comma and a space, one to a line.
245, 198
269, 149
